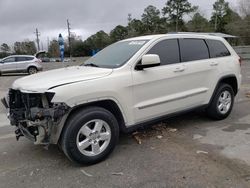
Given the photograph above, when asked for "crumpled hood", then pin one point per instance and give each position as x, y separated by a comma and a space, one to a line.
41, 82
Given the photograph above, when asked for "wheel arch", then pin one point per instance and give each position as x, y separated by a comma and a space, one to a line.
31, 66
228, 79
107, 104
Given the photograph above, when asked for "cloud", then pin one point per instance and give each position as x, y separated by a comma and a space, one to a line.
20, 18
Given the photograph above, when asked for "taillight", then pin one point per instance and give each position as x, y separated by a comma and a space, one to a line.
240, 61
39, 61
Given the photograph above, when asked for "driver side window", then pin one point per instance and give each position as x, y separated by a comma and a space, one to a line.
168, 51
9, 60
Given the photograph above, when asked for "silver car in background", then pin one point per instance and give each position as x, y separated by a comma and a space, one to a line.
20, 63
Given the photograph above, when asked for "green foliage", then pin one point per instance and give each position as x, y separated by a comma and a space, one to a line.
26, 47
79, 48
198, 24
5, 48
98, 41
136, 28
151, 19
53, 50
222, 16
174, 11
118, 33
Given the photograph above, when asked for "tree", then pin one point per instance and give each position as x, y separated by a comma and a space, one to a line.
79, 49
151, 19
220, 10
244, 6
5, 48
136, 28
175, 10
97, 41
26, 47
53, 50
119, 33
198, 24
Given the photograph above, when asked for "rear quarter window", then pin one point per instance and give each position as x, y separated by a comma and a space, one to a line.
29, 58
217, 49
193, 49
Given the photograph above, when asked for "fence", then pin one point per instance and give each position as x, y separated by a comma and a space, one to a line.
243, 51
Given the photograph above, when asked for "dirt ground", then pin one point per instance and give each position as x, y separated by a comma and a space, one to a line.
185, 151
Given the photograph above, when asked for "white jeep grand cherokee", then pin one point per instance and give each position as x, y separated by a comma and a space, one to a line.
128, 84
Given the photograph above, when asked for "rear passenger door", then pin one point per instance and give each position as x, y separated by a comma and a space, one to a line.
23, 62
200, 72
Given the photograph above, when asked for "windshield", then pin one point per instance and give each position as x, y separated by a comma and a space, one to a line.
115, 55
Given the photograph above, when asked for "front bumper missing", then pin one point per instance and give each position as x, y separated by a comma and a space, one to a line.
34, 116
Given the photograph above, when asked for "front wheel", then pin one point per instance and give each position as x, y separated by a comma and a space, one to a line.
222, 103
90, 135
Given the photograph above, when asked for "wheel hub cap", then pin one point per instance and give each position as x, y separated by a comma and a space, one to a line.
93, 137
224, 102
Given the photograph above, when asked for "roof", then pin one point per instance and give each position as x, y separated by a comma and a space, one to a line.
21, 56
180, 34
18, 56
223, 35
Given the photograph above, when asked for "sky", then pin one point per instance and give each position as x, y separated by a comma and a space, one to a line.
20, 18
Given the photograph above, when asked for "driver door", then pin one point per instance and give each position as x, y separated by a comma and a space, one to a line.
8, 65
157, 89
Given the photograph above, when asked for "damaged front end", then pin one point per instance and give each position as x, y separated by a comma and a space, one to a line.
34, 114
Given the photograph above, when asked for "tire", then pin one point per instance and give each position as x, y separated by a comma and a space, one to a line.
32, 70
94, 128
222, 102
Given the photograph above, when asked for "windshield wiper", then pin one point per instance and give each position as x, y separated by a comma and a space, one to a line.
91, 65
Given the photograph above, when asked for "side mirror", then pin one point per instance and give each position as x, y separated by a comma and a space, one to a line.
149, 60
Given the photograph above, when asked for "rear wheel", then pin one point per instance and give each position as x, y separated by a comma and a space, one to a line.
90, 135
222, 103
32, 70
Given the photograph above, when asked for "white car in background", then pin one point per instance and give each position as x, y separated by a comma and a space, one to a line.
20, 63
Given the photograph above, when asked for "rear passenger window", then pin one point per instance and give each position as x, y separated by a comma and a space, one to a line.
168, 51
193, 49
20, 59
24, 58
217, 49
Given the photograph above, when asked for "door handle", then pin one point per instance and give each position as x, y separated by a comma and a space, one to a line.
213, 64
179, 69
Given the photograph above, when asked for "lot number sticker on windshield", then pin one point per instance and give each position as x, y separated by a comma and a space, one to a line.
137, 43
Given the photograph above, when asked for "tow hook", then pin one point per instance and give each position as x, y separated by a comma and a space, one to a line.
18, 134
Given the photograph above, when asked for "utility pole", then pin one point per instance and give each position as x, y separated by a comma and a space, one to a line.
177, 18
37, 33
130, 32
48, 43
216, 21
68, 25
